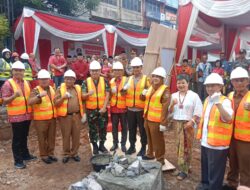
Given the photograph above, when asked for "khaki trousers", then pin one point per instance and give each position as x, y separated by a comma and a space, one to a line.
70, 128
46, 132
156, 143
239, 155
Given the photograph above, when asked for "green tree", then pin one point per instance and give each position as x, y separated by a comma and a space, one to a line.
4, 29
66, 7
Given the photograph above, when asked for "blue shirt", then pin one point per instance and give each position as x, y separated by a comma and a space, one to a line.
206, 69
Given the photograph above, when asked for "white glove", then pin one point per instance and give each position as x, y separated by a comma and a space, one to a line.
84, 118
163, 128
114, 90
144, 92
126, 86
215, 98
69, 95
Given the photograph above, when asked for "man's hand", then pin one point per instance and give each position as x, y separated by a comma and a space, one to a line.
103, 110
43, 93
91, 92
215, 98
247, 106
114, 90
18, 93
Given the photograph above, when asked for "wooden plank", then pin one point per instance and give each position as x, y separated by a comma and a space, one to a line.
159, 37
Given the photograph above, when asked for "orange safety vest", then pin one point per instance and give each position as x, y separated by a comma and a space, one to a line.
62, 110
133, 93
117, 99
19, 105
46, 109
219, 132
96, 100
153, 105
241, 119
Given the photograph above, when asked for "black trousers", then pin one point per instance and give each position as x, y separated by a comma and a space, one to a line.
122, 118
135, 118
20, 132
213, 165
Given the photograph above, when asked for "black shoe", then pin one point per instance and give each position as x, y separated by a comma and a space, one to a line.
114, 147
131, 150
228, 187
147, 158
20, 165
102, 148
30, 158
124, 149
95, 148
53, 158
47, 160
142, 151
65, 160
76, 158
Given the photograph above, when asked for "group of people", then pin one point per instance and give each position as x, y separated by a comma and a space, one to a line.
136, 101
201, 68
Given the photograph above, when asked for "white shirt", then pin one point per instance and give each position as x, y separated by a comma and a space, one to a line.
192, 105
227, 105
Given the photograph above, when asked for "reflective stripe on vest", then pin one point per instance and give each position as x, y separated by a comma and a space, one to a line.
219, 132
96, 100
153, 105
19, 105
241, 119
46, 109
5, 69
133, 93
63, 108
28, 72
117, 99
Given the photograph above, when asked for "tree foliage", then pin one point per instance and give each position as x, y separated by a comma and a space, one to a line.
66, 7
4, 29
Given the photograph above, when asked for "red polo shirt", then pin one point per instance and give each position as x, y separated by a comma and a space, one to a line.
57, 60
81, 68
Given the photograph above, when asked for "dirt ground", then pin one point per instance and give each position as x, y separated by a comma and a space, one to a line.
40, 176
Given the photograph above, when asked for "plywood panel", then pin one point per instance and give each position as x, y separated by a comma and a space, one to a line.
159, 37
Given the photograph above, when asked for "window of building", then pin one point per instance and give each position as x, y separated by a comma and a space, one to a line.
112, 2
134, 5
152, 7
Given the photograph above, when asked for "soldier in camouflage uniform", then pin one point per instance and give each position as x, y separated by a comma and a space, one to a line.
95, 90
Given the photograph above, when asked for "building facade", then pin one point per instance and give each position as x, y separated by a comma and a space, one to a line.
137, 13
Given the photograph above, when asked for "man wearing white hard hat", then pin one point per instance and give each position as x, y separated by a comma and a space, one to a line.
215, 132
155, 115
28, 69
133, 89
5, 66
96, 93
68, 102
118, 107
239, 152
15, 93
44, 116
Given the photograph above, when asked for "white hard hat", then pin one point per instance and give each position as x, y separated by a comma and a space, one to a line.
70, 73
136, 62
94, 65
160, 71
43, 74
24, 56
239, 72
118, 65
214, 78
5, 50
18, 65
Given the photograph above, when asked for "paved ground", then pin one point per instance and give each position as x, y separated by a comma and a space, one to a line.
59, 176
